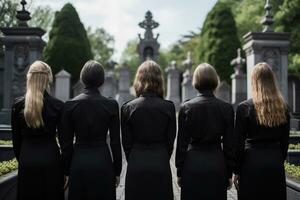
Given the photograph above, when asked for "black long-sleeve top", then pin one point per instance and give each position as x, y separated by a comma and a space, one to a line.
205, 120
148, 120
249, 131
20, 131
88, 117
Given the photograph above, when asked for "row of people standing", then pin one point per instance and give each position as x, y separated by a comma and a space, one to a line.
210, 148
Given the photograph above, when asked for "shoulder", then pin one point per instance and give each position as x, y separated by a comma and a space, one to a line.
55, 102
245, 104
224, 104
18, 103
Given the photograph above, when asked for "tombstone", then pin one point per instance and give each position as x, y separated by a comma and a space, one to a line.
238, 80
109, 87
188, 90
223, 91
62, 85
268, 46
23, 46
294, 94
124, 85
1, 73
78, 88
173, 84
148, 47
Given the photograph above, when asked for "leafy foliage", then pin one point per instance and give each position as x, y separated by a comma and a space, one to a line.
42, 17
68, 45
8, 166
294, 146
8, 12
219, 40
292, 170
5, 142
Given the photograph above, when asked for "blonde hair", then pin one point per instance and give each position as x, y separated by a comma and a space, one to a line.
205, 77
38, 78
268, 101
149, 78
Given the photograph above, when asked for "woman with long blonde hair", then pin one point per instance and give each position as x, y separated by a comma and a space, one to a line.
262, 131
148, 131
34, 121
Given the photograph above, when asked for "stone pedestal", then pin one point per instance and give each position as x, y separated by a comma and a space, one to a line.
223, 92
62, 85
124, 85
23, 46
109, 88
294, 95
173, 84
269, 47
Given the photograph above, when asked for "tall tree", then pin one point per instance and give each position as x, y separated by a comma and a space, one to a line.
219, 40
102, 44
68, 45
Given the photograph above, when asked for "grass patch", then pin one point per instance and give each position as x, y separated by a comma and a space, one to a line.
8, 166
294, 132
5, 142
294, 146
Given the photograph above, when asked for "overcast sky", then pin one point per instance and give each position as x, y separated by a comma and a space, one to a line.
120, 18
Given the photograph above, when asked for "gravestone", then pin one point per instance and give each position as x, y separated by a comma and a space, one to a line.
148, 47
62, 85
239, 80
224, 92
23, 46
270, 47
78, 88
188, 90
109, 87
294, 100
124, 85
173, 84
1, 73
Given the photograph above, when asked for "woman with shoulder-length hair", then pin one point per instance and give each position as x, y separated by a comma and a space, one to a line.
204, 154
262, 131
148, 131
34, 121
88, 117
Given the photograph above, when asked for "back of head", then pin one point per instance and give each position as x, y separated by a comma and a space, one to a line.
38, 78
92, 74
267, 98
149, 78
205, 77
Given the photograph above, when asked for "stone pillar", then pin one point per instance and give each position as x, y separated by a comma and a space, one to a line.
1, 74
223, 92
173, 84
238, 80
124, 85
188, 91
23, 46
109, 88
62, 85
268, 46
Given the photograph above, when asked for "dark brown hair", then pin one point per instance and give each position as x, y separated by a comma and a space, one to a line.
92, 74
205, 77
149, 78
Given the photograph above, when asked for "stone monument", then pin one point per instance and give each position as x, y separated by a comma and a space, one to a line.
62, 85
148, 47
223, 91
23, 45
109, 87
173, 84
188, 91
238, 80
124, 85
1, 73
268, 46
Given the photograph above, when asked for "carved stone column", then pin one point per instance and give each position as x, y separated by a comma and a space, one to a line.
173, 84
188, 91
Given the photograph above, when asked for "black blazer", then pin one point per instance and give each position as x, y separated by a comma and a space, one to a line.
51, 115
205, 120
249, 132
89, 117
147, 120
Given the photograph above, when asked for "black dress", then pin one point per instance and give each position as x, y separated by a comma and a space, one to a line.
260, 156
205, 147
40, 175
148, 132
91, 169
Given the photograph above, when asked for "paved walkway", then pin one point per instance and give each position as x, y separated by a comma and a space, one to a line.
121, 189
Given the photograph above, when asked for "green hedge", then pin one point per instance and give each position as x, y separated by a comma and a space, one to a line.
292, 170
5, 142
8, 166
294, 146
294, 132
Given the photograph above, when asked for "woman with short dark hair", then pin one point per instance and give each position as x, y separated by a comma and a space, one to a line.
88, 118
262, 131
204, 154
148, 131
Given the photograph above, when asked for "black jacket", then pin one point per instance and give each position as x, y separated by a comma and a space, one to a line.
205, 120
89, 117
148, 120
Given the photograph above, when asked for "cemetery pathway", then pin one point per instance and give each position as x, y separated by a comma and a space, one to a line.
121, 189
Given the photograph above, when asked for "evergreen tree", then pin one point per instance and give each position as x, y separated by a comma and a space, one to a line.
68, 47
219, 40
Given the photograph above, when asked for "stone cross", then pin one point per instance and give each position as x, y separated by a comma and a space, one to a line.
62, 85
173, 84
188, 91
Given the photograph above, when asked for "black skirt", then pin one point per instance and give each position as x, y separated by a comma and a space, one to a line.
91, 173
40, 175
262, 174
149, 174
204, 175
